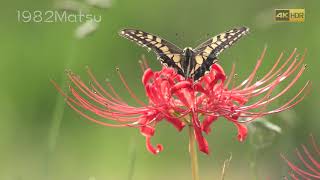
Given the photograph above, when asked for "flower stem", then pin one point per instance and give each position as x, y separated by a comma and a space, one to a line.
193, 155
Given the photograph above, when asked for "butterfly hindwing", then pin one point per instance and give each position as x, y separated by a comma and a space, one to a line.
202, 66
168, 53
207, 52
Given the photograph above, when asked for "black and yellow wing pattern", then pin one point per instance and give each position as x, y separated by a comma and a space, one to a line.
191, 63
168, 53
206, 53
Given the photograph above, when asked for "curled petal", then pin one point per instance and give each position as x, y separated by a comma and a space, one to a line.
186, 97
148, 74
242, 131
181, 85
198, 87
165, 89
220, 74
202, 142
207, 122
150, 147
176, 122
147, 130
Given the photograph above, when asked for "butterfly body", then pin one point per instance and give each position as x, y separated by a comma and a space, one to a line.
188, 62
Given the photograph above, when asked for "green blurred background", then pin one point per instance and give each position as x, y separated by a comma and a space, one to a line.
41, 138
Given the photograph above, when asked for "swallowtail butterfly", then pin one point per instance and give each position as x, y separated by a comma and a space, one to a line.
190, 63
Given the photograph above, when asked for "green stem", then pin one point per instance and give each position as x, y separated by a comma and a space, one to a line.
193, 155
253, 163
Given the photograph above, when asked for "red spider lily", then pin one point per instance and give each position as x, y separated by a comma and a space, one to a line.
310, 163
182, 101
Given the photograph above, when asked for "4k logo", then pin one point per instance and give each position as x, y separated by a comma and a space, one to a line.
290, 15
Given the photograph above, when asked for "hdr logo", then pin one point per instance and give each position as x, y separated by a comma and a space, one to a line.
289, 15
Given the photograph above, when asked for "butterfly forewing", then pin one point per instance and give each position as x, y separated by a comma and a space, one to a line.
168, 53
215, 45
207, 52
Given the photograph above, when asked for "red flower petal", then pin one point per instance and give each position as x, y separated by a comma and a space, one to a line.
152, 149
207, 122
176, 122
148, 74
202, 142
173, 97
242, 131
147, 130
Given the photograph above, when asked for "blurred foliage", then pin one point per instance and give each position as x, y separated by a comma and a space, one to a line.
41, 138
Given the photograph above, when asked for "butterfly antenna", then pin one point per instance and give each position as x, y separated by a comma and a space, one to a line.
179, 37
203, 38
